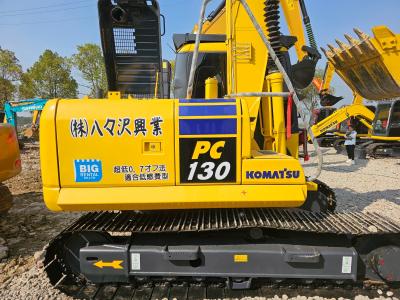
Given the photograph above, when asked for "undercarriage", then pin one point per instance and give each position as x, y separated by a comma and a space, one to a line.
226, 248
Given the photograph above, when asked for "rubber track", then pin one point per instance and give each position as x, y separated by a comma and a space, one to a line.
201, 291
372, 149
329, 193
350, 223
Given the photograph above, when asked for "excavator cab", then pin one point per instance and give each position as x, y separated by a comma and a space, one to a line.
211, 63
387, 120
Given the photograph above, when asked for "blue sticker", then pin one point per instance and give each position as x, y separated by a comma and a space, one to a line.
88, 170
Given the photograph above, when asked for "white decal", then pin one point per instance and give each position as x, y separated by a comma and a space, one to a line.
346, 264
135, 261
207, 169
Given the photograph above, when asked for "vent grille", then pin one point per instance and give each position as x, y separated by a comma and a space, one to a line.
124, 41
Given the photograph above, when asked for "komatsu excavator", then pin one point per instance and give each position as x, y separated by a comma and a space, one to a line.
205, 188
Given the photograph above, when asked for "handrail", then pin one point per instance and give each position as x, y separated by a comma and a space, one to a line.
196, 49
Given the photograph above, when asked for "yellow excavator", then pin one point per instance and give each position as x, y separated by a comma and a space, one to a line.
359, 114
204, 190
369, 67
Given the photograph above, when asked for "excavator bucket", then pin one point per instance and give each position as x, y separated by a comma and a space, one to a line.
369, 65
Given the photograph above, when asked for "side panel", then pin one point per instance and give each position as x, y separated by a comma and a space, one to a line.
48, 155
156, 154
269, 168
116, 143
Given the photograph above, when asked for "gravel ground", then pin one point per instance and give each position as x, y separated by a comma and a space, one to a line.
370, 185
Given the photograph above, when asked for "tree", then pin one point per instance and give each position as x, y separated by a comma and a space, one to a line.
26, 89
10, 73
50, 77
90, 62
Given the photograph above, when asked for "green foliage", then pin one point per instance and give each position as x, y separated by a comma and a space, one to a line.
10, 73
26, 89
90, 62
50, 77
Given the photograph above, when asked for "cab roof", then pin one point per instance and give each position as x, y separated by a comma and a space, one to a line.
189, 38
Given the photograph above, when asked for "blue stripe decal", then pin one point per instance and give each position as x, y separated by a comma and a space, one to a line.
207, 101
207, 126
209, 110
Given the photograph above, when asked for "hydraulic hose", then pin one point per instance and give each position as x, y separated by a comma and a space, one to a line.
307, 24
290, 86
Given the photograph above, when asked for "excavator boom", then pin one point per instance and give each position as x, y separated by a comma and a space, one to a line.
355, 110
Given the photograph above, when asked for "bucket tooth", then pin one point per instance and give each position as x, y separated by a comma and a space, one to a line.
333, 49
355, 49
352, 41
337, 54
366, 44
326, 52
342, 45
368, 47
361, 35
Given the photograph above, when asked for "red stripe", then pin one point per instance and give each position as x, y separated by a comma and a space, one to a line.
289, 117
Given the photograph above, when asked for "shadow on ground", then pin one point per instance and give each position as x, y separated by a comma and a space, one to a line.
29, 225
341, 166
349, 199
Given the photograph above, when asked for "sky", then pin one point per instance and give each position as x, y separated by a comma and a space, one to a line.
29, 27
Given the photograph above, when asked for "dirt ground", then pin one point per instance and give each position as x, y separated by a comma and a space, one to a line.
26, 229
369, 185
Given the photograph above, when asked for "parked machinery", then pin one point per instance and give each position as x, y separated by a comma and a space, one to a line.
360, 125
369, 65
328, 137
10, 163
12, 108
385, 137
208, 185
330, 129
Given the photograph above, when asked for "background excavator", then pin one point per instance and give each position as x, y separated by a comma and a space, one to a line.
330, 124
12, 108
10, 163
369, 67
204, 188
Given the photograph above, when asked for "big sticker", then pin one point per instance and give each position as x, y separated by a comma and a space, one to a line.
88, 170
